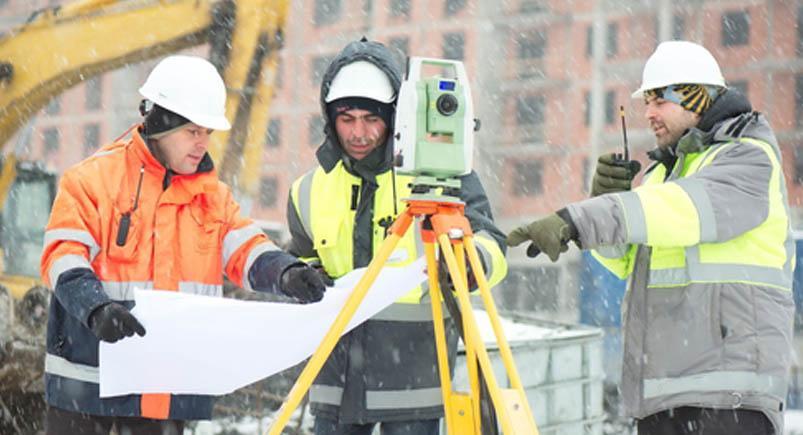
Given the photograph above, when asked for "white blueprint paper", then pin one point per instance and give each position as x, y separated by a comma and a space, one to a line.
208, 345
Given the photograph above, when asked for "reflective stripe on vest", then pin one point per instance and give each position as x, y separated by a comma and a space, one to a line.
324, 205
325, 394
124, 291
492, 256
64, 264
699, 272
151, 405
403, 399
380, 399
59, 366
302, 190
72, 235
716, 381
235, 239
199, 288
706, 260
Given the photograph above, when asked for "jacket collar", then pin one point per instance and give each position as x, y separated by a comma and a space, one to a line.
144, 155
377, 162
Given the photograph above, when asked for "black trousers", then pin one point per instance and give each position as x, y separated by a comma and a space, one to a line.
706, 421
61, 422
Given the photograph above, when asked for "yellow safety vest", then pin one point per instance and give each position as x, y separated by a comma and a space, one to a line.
327, 209
756, 256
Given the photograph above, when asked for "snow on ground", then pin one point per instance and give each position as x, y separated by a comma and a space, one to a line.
793, 422
245, 426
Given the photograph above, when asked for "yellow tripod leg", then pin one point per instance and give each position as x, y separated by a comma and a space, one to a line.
456, 406
329, 341
472, 339
471, 354
515, 398
470, 332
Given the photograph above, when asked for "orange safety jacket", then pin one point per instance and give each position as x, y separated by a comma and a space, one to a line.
185, 232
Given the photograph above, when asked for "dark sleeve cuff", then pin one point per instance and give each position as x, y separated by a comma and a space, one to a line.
566, 216
266, 272
80, 292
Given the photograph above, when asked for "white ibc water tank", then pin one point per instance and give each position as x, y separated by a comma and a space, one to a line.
561, 368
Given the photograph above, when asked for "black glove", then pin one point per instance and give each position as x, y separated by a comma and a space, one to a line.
551, 234
304, 282
446, 278
613, 174
112, 322
327, 280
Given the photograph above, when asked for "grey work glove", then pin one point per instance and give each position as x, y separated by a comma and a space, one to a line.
551, 235
112, 322
304, 283
613, 174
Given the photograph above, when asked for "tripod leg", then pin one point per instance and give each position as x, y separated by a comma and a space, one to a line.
511, 405
474, 376
484, 412
493, 314
489, 425
516, 400
460, 408
449, 411
329, 341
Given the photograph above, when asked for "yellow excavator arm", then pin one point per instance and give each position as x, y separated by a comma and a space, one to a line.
61, 46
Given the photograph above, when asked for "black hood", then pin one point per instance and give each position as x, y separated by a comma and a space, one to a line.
330, 152
730, 104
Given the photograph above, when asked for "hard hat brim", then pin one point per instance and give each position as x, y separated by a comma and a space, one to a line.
213, 122
361, 79
639, 93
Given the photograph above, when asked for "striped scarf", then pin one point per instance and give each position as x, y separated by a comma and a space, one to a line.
692, 97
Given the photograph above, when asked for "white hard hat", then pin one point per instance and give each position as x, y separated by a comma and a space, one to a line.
361, 79
679, 62
191, 87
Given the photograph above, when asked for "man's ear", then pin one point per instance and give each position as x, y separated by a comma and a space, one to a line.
696, 118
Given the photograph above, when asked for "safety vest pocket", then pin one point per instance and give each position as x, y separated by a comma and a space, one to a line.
683, 330
123, 242
210, 225
743, 310
336, 257
209, 237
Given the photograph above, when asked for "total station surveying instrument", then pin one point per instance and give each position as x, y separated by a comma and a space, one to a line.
434, 143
